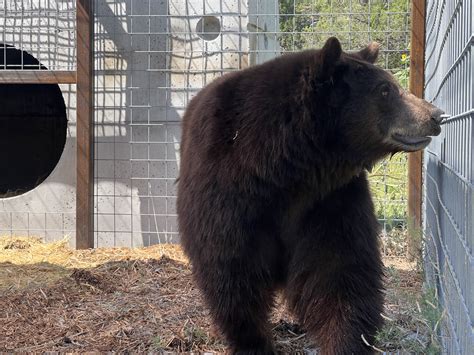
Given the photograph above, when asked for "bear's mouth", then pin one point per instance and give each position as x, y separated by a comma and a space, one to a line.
411, 143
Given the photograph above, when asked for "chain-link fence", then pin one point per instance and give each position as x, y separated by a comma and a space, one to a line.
449, 169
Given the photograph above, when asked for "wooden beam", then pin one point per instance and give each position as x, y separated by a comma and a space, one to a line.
415, 160
85, 137
37, 77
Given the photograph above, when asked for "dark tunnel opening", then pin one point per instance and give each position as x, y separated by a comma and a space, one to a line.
33, 127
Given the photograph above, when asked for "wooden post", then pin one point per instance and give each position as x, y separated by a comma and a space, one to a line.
85, 136
415, 160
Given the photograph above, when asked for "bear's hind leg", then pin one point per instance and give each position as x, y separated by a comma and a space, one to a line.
338, 312
335, 273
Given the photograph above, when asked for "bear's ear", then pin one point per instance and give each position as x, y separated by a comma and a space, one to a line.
370, 53
329, 55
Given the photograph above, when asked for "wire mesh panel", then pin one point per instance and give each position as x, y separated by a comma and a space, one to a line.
37, 121
44, 29
449, 169
151, 57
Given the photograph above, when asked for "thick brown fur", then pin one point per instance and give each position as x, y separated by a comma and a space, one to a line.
273, 193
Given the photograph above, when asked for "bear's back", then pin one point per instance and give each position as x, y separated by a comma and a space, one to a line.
235, 113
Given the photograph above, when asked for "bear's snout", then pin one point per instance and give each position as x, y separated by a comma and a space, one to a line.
417, 121
438, 115
430, 119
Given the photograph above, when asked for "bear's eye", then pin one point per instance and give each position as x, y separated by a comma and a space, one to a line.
385, 90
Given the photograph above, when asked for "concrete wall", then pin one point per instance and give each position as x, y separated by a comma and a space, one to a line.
151, 59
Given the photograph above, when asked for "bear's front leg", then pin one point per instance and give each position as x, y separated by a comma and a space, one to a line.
335, 284
235, 259
240, 298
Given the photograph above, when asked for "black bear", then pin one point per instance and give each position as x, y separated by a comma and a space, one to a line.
273, 192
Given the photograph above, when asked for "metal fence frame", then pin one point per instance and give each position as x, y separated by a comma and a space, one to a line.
449, 169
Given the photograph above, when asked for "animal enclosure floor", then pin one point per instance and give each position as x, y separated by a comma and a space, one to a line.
53, 298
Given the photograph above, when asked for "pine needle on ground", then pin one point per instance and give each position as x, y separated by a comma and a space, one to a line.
135, 300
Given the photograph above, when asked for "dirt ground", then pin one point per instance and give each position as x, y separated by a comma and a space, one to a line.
135, 300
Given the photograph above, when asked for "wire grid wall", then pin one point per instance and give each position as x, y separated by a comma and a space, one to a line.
449, 169
46, 29
50, 226
49, 210
152, 57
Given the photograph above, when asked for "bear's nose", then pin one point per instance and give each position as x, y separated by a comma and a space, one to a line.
438, 115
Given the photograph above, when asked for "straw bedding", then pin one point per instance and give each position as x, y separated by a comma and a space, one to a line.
53, 298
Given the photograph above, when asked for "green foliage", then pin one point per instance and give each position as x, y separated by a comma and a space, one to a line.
389, 178
433, 313
416, 331
157, 343
389, 190
196, 335
403, 75
308, 23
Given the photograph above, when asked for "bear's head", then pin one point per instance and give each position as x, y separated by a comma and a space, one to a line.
374, 114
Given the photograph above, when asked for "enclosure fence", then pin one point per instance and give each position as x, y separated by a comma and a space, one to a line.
152, 57
45, 29
37, 46
449, 169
